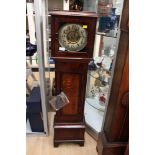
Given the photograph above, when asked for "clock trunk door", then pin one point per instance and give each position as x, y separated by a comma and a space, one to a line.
71, 79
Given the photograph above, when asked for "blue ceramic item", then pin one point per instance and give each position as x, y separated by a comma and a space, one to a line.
107, 23
30, 48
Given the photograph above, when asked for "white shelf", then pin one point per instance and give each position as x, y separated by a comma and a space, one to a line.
93, 116
95, 103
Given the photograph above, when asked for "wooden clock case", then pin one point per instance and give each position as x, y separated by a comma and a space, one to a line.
70, 76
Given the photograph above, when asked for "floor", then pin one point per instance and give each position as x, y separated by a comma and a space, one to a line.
43, 145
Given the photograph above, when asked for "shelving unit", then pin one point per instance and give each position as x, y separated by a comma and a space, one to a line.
94, 114
38, 61
98, 84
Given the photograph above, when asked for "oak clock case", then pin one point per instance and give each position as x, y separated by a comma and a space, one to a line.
72, 45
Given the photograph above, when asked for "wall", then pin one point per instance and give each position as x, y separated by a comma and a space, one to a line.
55, 4
90, 5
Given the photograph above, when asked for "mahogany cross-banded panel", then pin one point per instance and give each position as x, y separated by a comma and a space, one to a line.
70, 86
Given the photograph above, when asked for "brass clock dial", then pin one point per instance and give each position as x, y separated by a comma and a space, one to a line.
73, 37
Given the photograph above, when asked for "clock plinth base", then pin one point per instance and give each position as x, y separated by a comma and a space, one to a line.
69, 133
79, 142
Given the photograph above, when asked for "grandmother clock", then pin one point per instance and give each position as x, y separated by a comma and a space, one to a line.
73, 35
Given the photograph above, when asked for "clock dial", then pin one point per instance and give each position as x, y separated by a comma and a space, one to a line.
73, 37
